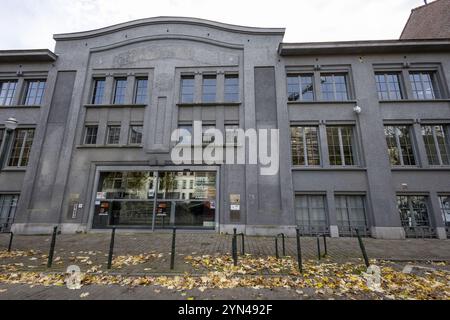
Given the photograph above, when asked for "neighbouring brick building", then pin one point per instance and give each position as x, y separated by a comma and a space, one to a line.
364, 132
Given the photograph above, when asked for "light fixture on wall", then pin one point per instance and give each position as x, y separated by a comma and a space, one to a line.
357, 109
404, 186
11, 124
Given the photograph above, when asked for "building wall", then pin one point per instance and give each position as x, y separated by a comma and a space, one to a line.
63, 171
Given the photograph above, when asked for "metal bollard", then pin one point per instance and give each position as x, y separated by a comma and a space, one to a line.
325, 245
242, 242
283, 245
299, 251
172, 256
11, 236
52, 248
363, 248
234, 247
111, 248
318, 248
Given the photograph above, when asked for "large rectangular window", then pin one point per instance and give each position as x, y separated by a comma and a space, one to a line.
90, 135
400, 148
311, 214
120, 90
209, 88
388, 86
187, 89
334, 87
341, 146
300, 87
424, 85
351, 214
7, 91
21, 147
8, 205
437, 144
98, 91
136, 134
231, 134
113, 135
34, 92
414, 215
305, 146
444, 202
141, 91
185, 134
231, 88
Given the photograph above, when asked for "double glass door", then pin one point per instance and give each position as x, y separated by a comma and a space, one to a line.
163, 199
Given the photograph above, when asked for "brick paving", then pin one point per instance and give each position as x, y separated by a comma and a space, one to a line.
88, 250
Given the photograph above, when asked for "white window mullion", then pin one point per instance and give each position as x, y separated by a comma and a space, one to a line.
305, 149
22, 147
436, 143
341, 146
399, 148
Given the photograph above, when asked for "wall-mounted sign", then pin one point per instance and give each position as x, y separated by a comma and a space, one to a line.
74, 211
235, 202
235, 207
101, 195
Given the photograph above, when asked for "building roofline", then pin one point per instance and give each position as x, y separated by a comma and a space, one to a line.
33, 55
173, 20
364, 47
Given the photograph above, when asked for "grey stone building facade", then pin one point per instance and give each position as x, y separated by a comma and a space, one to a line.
364, 132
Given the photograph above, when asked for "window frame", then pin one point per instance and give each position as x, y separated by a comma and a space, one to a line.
115, 136
354, 145
131, 134
20, 159
9, 94
95, 98
445, 131
346, 75
136, 91
305, 147
209, 76
435, 81
182, 93
237, 93
398, 145
85, 136
26, 92
299, 76
123, 91
309, 208
400, 83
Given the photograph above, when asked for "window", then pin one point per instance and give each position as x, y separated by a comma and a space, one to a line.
7, 90
2, 135
141, 91
445, 209
34, 92
311, 214
136, 134
300, 87
120, 90
400, 147
90, 136
231, 134
424, 85
388, 86
98, 92
20, 151
341, 146
437, 145
305, 146
350, 214
334, 87
185, 137
113, 135
413, 214
8, 205
231, 88
209, 88
207, 138
187, 89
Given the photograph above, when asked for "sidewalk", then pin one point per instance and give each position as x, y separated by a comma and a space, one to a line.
91, 250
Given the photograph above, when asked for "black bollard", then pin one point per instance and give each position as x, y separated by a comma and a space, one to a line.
318, 247
276, 248
363, 249
234, 247
11, 236
52, 248
284, 244
172, 256
325, 244
243, 243
299, 251
111, 248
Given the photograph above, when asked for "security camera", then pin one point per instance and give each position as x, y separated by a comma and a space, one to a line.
357, 109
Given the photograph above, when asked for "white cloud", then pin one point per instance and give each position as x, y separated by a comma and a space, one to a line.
31, 23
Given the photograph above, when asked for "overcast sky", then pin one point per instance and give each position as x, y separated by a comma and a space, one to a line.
31, 23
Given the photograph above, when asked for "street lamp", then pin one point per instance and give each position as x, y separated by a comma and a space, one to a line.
11, 124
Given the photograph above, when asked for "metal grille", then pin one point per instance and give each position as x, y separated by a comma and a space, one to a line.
414, 217
8, 205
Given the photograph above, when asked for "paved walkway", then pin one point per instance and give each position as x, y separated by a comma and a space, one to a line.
90, 250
